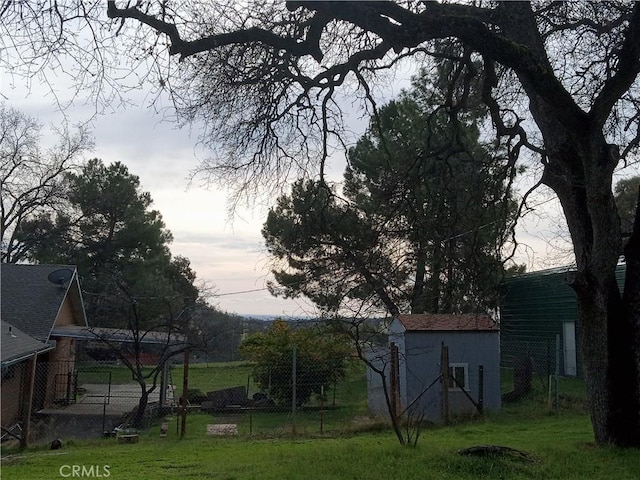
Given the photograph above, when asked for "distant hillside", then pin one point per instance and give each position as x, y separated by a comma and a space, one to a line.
270, 318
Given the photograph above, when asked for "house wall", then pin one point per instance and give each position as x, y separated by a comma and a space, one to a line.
60, 374
58, 382
65, 314
423, 360
54, 380
12, 389
533, 311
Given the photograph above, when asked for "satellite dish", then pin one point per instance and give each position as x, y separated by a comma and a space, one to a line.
60, 276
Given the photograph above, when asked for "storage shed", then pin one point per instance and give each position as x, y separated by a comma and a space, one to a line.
473, 344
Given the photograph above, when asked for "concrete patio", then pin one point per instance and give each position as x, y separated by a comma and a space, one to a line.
109, 400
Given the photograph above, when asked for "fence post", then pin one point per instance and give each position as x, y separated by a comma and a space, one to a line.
557, 396
67, 399
26, 431
294, 399
163, 385
185, 387
480, 389
445, 383
321, 408
109, 388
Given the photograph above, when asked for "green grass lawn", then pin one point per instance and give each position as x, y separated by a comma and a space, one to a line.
558, 441
213, 376
560, 446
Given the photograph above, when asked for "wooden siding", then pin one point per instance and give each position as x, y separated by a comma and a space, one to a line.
12, 389
66, 314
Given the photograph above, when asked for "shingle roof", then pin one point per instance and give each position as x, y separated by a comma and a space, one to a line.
30, 302
17, 345
118, 335
446, 322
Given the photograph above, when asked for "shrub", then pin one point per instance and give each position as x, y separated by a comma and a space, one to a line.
321, 359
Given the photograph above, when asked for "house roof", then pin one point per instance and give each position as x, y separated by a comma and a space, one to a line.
448, 322
118, 335
16, 345
30, 302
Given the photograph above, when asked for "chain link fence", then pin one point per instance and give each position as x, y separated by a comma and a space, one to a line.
87, 399
73, 400
540, 368
301, 397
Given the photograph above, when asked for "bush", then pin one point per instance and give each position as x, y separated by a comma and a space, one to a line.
195, 396
321, 359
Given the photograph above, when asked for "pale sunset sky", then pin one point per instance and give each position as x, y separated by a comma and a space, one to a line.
226, 252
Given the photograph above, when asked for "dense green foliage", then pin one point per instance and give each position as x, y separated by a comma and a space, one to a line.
420, 223
120, 247
320, 358
129, 279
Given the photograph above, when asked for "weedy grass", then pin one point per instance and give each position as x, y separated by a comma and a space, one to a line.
558, 444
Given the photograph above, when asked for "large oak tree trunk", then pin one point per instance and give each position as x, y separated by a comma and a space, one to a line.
578, 167
609, 331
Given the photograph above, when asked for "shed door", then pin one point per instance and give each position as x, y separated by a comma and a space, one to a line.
569, 332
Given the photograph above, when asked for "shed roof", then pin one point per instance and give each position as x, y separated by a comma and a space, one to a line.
31, 302
448, 322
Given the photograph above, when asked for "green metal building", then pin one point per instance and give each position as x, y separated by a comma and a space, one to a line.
539, 320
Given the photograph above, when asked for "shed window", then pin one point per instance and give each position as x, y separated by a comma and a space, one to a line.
458, 376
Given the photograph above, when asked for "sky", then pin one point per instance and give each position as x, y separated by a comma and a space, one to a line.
227, 253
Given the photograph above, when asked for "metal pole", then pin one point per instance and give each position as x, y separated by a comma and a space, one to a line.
294, 399
445, 384
335, 387
163, 385
24, 439
68, 399
322, 409
109, 387
185, 387
557, 399
104, 414
480, 389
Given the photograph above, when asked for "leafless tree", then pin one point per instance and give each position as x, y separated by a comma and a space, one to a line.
269, 80
30, 178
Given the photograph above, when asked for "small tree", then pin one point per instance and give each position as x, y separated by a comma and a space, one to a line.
321, 359
130, 280
157, 319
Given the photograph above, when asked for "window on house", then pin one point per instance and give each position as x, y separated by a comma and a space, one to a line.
458, 376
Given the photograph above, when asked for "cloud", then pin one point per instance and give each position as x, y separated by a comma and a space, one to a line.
224, 252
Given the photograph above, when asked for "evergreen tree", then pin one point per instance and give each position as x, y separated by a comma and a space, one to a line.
421, 226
